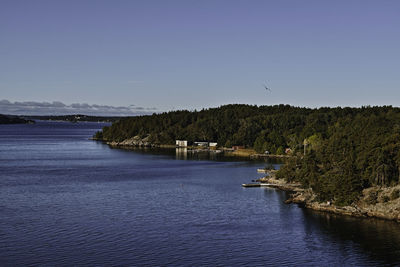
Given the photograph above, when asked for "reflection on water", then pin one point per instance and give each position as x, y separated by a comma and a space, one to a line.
379, 239
181, 153
66, 200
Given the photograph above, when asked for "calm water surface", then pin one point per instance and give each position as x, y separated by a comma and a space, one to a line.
67, 201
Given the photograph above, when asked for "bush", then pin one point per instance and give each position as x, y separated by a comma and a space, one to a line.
385, 198
395, 194
372, 198
280, 151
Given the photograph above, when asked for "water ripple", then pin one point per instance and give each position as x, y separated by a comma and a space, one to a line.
68, 201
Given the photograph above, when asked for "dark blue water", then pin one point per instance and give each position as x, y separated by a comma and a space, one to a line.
66, 200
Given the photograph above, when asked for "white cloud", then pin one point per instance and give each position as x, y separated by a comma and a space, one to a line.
59, 108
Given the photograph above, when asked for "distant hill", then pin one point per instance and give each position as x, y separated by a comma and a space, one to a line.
75, 118
10, 119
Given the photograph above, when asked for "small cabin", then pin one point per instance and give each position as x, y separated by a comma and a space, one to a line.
203, 144
212, 144
181, 143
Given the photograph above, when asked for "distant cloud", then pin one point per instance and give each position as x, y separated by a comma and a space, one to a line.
59, 108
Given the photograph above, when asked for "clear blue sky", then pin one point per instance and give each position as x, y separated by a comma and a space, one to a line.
195, 54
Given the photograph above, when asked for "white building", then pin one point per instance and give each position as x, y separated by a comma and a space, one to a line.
212, 144
181, 143
205, 144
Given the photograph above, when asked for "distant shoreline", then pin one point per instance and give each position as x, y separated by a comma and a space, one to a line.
74, 118
11, 119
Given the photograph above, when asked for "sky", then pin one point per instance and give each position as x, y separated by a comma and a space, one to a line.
168, 55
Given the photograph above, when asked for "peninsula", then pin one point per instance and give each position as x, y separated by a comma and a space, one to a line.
341, 155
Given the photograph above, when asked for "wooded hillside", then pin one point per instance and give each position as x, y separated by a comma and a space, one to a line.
336, 151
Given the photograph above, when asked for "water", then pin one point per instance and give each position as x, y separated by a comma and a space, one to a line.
66, 201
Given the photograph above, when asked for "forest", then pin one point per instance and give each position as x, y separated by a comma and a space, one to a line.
335, 151
12, 119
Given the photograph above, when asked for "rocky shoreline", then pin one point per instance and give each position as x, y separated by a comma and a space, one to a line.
135, 141
139, 142
376, 202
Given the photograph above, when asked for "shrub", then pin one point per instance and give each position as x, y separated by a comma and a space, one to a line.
372, 198
395, 194
385, 198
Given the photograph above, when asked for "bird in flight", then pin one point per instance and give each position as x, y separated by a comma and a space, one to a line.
267, 88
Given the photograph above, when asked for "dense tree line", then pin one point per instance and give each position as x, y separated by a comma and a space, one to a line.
265, 127
74, 118
358, 150
336, 151
12, 119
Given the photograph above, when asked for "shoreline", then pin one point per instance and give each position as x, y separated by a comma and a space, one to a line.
383, 209
137, 142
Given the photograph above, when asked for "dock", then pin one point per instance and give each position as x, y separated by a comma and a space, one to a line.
260, 156
258, 185
251, 185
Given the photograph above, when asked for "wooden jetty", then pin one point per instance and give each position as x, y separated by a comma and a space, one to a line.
251, 185
258, 185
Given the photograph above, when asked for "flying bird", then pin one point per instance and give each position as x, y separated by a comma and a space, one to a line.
267, 88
